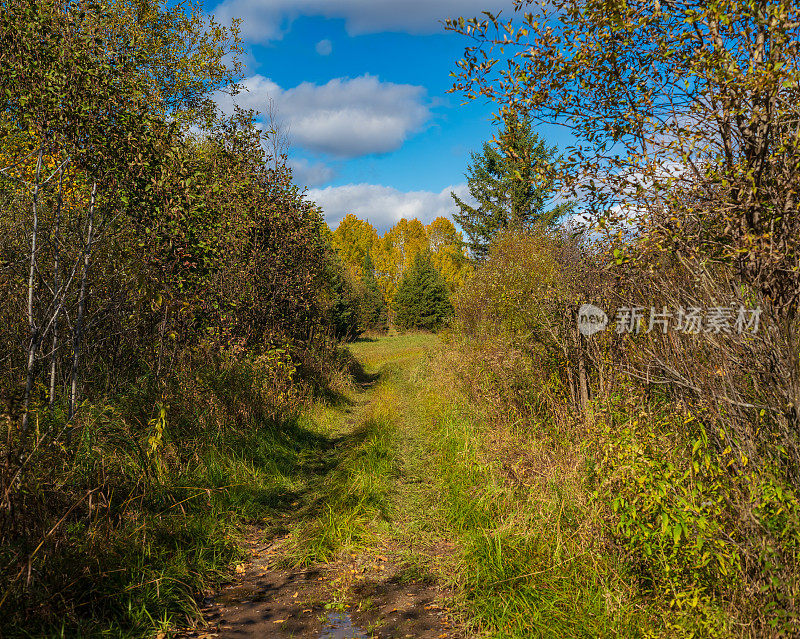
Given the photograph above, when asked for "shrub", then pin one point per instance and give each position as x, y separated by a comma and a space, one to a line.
524, 296
688, 437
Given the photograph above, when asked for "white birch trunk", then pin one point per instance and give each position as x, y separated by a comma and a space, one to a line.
34, 337
76, 343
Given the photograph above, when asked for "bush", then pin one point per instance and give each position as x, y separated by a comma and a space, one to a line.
522, 301
688, 438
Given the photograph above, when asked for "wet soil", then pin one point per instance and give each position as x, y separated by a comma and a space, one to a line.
356, 596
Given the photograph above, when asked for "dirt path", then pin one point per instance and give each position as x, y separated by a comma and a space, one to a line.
374, 583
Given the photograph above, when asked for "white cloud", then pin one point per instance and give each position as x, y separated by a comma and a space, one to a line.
265, 20
324, 47
347, 117
310, 173
384, 206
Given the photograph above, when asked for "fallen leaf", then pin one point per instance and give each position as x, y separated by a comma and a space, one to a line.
239, 569
294, 596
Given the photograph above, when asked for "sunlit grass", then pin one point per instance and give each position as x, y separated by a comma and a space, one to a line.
521, 561
343, 508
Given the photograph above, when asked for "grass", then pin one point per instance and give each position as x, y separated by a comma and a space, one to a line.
341, 506
348, 508
401, 457
154, 521
139, 564
175, 499
523, 567
422, 470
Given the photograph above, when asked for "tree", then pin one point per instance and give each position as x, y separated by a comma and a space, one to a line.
373, 307
446, 245
72, 87
512, 183
422, 299
687, 148
187, 56
684, 115
136, 267
353, 240
345, 299
394, 252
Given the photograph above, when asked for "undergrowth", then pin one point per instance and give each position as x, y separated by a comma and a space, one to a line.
143, 509
528, 560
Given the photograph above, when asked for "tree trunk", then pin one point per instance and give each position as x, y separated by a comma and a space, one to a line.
33, 344
76, 343
56, 291
568, 322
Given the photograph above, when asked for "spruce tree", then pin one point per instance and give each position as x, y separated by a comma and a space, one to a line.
345, 306
512, 184
373, 308
422, 300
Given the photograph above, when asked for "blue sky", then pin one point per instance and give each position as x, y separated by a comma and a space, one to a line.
361, 86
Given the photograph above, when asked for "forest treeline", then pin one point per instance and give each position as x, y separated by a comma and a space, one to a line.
169, 304
380, 268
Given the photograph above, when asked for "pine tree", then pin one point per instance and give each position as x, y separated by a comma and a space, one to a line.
422, 300
512, 184
374, 316
345, 306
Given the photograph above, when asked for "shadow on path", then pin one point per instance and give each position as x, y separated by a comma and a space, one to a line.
371, 593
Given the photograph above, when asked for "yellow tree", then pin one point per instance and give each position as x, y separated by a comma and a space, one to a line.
446, 245
353, 240
395, 252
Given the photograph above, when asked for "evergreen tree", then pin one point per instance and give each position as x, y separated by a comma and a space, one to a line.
511, 183
422, 300
345, 299
373, 308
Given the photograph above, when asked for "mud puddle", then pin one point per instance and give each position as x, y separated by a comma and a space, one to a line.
339, 625
355, 597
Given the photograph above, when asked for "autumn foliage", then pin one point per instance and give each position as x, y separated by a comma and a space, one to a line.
392, 254
168, 299
683, 161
